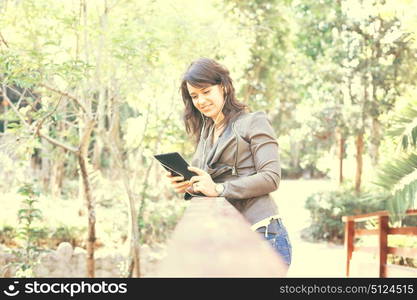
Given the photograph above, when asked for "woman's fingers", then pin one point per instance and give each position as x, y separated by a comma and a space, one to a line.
176, 178
169, 175
180, 190
196, 179
197, 170
178, 183
181, 184
190, 189
182, 187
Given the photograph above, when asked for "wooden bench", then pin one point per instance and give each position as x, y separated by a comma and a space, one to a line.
382, 250
212, 239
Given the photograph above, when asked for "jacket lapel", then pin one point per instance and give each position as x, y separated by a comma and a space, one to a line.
224, 140
222, 143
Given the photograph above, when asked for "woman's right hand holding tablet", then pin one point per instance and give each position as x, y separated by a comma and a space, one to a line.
178, 183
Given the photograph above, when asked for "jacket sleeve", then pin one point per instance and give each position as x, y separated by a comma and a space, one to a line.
264, 148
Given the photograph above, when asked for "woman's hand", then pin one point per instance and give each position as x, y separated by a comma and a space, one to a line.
177, 183
203, 183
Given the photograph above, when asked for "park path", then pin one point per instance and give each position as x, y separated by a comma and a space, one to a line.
309, 259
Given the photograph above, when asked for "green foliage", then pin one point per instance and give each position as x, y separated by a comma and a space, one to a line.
404, 126
395, 241
355, 72
398, 174
400, 177
29, 216
402, 242
44, 236
300, 153
317, 19
7, 235
328, 208
64, 233
267, 26
159, 220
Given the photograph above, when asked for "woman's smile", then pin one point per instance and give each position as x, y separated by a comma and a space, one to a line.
207, 107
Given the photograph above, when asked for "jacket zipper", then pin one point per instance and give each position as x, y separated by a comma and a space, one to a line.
234, 170
204, 144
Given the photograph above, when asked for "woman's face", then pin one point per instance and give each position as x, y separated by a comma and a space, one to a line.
208, 100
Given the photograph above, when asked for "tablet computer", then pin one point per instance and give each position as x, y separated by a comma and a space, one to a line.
176, 164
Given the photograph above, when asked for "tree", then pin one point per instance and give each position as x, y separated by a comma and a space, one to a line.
269, 29
398, 175
367, 60
106, 74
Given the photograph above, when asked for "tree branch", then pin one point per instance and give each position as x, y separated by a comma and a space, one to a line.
38, 127
21, 94
357, 29
3, 40
86, 135
57, 143
65, 95
13, 106
40, 123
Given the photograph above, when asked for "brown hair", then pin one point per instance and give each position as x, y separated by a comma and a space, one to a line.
202, 73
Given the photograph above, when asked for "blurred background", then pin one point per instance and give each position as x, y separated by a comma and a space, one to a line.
90, 91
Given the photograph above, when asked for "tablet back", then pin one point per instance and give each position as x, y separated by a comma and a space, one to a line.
176, 164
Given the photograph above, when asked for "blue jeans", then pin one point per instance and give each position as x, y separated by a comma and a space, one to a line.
280, 242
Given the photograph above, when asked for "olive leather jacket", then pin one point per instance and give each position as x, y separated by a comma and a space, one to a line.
245, 159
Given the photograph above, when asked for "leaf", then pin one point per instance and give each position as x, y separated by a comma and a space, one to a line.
404, 126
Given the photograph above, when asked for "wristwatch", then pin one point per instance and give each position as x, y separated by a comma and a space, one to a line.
219, 188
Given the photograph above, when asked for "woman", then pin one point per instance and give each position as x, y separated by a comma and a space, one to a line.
237, 152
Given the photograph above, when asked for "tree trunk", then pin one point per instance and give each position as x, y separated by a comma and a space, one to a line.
359, 163
57, 175
134, 228
122, 165
45, 164
100, 80
57, 168
341, 154
81, 192
375, 141
6, 121
82, 161
359, 138
134, 270
91, 216
295, 153
113, 113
